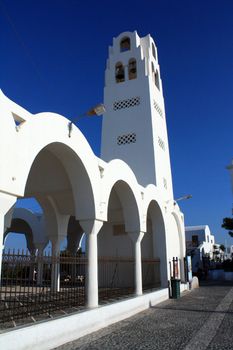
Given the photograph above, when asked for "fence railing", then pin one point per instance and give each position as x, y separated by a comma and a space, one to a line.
28, 291
26, 294
150, 274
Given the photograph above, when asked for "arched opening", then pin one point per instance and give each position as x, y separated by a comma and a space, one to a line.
153, 51
74, 236
157, 80
119, 73
176, 246
153, 71
132, 69
59, 181
20, 227
15, 242
125, 44
24, 218
115, 247
154, 247
155, 76
19, 265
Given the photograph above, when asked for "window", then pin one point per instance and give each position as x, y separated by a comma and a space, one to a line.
153, 71
132, 69
126, 139
153, 51
125, 44
157, 79
155, 75
152, 68
119, 72
195, 241
130, 102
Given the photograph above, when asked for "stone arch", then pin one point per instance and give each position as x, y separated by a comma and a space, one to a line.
21, 226
157, 84
180, 232
119, 175
58, 172
31, 224
153, 50
34, 134
73, 156
125, 44
132, 69
122, 208
155, 235
119, 72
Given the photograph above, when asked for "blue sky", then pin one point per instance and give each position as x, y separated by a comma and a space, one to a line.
53, 56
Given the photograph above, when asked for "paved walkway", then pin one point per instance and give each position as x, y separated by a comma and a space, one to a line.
201, 319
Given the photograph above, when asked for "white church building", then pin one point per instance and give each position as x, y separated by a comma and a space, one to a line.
123, 201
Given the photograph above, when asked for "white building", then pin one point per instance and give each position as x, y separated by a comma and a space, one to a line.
199, 243
123, 201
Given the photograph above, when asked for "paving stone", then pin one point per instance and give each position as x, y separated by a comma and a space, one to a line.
169, 325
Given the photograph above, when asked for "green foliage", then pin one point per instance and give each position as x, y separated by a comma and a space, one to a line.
228, 225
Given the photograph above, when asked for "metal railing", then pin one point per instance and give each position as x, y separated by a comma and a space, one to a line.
28, 291
25, 294
150, 274
115, 278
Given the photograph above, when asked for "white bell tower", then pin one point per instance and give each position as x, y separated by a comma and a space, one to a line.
134, 126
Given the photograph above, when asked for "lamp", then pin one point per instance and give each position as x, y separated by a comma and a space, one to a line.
97, 110
187, 196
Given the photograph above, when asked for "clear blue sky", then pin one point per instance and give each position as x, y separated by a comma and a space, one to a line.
53, 56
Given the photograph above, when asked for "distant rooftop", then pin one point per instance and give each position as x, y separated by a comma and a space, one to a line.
194, 228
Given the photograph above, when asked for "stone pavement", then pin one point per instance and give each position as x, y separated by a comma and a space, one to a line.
201, 319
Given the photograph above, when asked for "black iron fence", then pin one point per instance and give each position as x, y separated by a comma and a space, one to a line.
27, 288
115, 278
35, 287
150, 274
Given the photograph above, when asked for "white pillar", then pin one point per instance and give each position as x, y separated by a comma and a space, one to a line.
32, 266
136, 238
55, 274
92, 228
40, 265
6, 202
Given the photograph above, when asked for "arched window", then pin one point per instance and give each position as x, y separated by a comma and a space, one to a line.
119, 72
153, 71
155, 75
157, 80
132, 69
153, 51
125, 44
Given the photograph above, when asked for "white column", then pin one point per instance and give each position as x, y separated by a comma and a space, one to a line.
92, 228
136, 238
32, 264
6, 202
40, 265
55, 274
